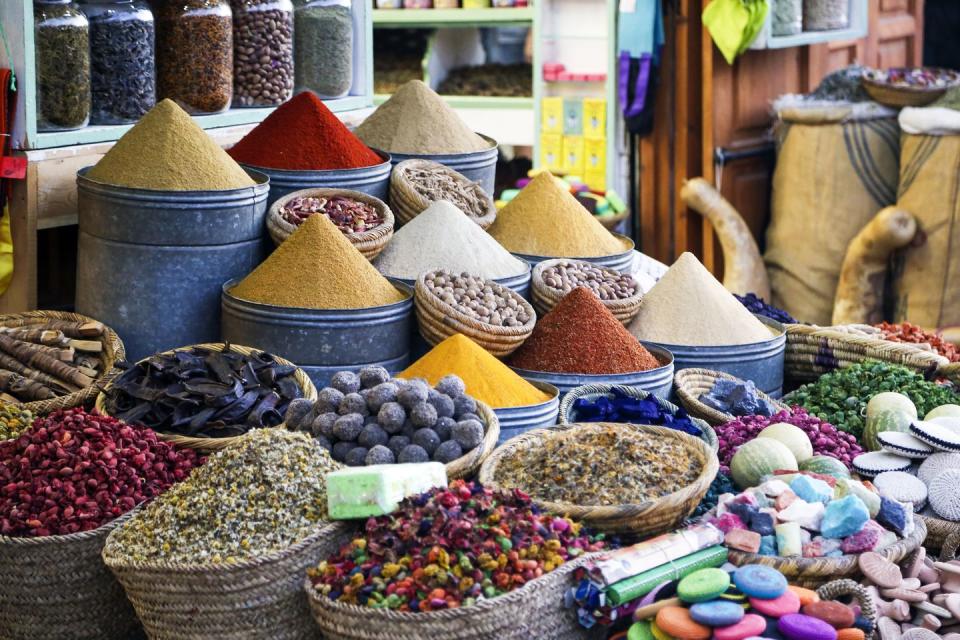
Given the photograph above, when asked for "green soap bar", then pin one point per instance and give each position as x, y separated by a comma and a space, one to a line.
703, 585
509, 194
640, 631
615, 201
362, 492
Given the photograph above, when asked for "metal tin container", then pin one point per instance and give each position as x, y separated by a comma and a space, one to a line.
515, 421
618, 261
374, 180
322, 341
150, 263
479, 166
657, 381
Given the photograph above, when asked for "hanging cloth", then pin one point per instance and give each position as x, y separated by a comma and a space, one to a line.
640, 39
10, 169
734, 24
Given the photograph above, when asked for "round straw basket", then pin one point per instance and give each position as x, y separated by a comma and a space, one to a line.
854, 591
690, 384
57, 587
951, 372
948, 551
610, 223
568, 414
535, 610
938, 531
369, 243
815, 572
546, 298
110, 354
438, 320
467, 465
646, 518
409, 202
897, 96
216, 444
260, 597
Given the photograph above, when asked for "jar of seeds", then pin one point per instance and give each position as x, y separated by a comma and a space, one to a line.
826, 15
62, 41
787, 19
122, 70
195, 54
262, 52
324, 47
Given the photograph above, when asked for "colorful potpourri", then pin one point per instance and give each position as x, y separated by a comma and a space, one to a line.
449, 548
915, 77
912, 334
348, 215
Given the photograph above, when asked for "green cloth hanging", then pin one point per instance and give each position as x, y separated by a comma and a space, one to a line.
734, 24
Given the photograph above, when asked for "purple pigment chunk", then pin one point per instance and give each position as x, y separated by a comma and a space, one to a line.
797, 626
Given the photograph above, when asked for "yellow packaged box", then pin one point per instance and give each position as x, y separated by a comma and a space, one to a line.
596, 180
595, 154
551, 152
572, 154
594, 117
551, 115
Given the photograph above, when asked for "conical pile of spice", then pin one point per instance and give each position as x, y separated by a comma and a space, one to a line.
317, 268
688, 306
487, 379
415, 120
303, 135
580, 335
167, 151
546, 220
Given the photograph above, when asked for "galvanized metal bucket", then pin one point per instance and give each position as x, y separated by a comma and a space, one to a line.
618, 261
150, 264
515, 421
479, 166
323, 341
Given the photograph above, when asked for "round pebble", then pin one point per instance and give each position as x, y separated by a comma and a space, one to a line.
677, 622
806, 595
786, 602
837, 615
750, 625
703, 585
717, 613
881, 571
759, 581
797, 626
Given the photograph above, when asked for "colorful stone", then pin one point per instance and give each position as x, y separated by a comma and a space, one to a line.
762, 523
789, 542
811, 489
742, 540
837, 615
844, 517
759, 581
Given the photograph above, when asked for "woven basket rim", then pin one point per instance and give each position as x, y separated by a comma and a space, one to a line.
371, 237
554, 295
804, 334
847, 587
69, 538
684, 381
423, 293
868, 78
413, 199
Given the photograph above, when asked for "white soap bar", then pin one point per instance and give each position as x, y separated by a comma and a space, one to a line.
362, 492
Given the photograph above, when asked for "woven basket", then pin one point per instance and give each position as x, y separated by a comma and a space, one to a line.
467, 465
646, 518
534, 611
409, 203
812, 352
938, 531
951, 372
216, 444
112, 353
545, 298
611, 223
895, 96
691, 383
593, 391
948, 551
369, 243
256, 598
815, 572
837, 589
57, 587
438, 320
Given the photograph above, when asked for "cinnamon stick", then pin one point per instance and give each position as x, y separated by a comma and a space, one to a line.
12, 364
27, 354
23, 388
71, 329
90, 346
37, 335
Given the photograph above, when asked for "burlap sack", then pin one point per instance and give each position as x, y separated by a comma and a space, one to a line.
836, 168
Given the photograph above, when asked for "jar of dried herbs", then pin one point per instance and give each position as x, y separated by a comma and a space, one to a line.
122, 70
324, 47
262, 52
195, 54
787, 19
62, 41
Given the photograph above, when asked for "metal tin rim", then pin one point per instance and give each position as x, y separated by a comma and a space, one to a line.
773, 342
308, 173
654, 349
494, 146
260, 310
534, 410
613, 257
222, 196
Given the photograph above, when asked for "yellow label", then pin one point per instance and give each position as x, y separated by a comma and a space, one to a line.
572, 154
594, 117
551, 115
551, 152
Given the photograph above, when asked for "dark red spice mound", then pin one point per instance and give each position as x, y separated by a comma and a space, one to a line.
580, 335
911, 333
302, 134
75, 471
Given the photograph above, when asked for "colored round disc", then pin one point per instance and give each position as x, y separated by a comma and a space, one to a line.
658, 633
759, 581
806, 595
677, 622
717, 613
786, 602
639, 631
837, 615
703, 585
750, 625
797, 626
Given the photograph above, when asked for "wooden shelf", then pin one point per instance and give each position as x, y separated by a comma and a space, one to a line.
857, 29
429, 18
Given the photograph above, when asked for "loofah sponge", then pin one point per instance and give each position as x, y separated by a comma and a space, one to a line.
944, 496
937, 464
902, 487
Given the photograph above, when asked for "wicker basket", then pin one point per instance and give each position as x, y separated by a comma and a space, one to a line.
951, 372
112, 353
256, 598
58, 587
837, 589
593, 391
438, 321
467, 465
216, 444
369, 243
812, 352
545, 298
535, 610
815, 572
691, 383
646, 518
938, 531
610, 223
409, 203
896, 96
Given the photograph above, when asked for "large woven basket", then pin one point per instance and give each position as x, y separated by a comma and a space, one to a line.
467, 465
369, 243
647, 518
938, 532
112, 353
568, 414
438, 320
856, 592
534, 611
409, 203
812, 352
610, 223
57, 587
898, 96
256, 598
815, 572
690, 384
545, 298
216, 444
951, 372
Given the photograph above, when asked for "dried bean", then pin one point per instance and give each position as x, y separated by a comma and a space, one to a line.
481, 299
606, 284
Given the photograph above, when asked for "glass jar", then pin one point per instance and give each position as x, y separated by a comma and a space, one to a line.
787, 17
262, 52
195, 54
62, 42
122, 70
324, 47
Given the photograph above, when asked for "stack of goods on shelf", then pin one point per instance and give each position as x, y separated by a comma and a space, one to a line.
573, 138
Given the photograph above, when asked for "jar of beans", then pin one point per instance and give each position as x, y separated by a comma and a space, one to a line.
262, 52
324, 47
62, 42
195, 54
122, 69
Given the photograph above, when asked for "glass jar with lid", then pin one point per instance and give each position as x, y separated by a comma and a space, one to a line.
262, 52
122, 69
195, 54
62, 43
324, 47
